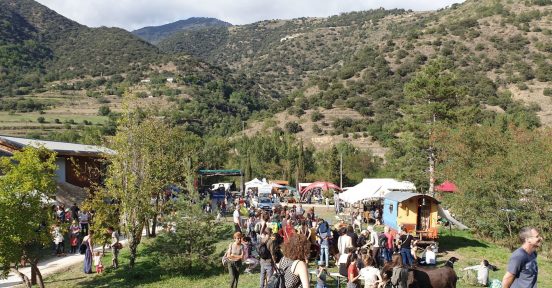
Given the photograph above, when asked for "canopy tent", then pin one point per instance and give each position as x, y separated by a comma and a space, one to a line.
255, 183
375, 189
322, 185
446, 186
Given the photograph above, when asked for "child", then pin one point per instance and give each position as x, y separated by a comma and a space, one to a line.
321, 275
74, 243
249, 260
482, 273
98, 262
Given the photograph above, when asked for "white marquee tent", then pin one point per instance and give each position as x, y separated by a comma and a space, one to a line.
255, 183
375, 189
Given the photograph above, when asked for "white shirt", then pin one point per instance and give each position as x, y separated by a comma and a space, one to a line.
343, 242
374, 240
370, 275
83, 218
482, 273
236, 217
430, 257
343, 258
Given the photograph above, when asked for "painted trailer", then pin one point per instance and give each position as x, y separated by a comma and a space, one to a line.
413, 212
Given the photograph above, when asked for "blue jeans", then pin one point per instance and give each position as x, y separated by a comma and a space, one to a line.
387, 254
324, 252
406, 256
266, 270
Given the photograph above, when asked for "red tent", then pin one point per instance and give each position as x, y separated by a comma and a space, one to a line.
446, 186
321, 184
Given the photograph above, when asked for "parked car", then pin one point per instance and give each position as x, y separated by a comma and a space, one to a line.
266, 203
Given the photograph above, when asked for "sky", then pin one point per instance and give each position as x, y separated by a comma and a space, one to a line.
134, 14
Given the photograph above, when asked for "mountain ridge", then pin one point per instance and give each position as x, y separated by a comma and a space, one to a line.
155, 34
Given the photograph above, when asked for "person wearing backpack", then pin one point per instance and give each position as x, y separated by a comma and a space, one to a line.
265, 256
292, 271
324, 234
235, 256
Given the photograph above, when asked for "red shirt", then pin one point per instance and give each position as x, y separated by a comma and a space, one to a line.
352, 271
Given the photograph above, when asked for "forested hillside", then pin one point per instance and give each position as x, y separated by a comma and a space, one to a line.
361, 59
154, 34
40, 46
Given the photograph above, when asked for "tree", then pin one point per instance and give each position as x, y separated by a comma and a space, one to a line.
150, 156
433, 97
190, 245
28, 179
503, 176
105, 214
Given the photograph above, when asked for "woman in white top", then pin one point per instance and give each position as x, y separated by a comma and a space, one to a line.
371, 274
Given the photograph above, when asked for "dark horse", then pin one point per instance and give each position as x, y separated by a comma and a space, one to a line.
443, 277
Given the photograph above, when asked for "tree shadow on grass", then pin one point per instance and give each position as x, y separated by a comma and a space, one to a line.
451, 242
147, 271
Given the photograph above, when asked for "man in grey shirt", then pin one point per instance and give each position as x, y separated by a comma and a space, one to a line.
522, 268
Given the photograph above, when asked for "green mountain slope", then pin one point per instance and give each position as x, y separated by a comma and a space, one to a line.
154, 34
281, 54
39, 45
361, 60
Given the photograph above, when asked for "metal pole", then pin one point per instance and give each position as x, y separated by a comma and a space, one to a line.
341, 170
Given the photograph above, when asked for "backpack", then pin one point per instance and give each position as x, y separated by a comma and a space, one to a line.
382, 240
263, 251
278, 280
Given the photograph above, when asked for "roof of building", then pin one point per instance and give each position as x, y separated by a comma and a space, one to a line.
221, 172
400, 196
62, 148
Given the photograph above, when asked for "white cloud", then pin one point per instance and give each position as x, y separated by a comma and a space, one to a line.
133, 14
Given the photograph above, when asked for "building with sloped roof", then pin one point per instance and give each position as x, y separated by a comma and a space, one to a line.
79, 166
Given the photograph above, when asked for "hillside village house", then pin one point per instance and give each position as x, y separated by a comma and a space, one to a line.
78, 166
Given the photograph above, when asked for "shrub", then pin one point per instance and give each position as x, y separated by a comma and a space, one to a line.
190, 248
41, 119
316, 116
104, 111
522, 86
316, 129
547, 92
293, 127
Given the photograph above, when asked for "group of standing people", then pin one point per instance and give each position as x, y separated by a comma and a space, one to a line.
81, 237
89, 256
75, 232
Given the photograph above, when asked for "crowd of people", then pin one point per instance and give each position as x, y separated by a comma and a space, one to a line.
291, 236
73, 224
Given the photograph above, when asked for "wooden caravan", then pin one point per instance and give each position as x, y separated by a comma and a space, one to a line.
413, 212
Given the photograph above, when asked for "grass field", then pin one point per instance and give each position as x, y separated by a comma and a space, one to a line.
460, 244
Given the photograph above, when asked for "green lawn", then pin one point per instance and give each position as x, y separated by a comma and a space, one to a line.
147, 274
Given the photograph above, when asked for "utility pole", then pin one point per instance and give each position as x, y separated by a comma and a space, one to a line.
341, 170
431, 159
